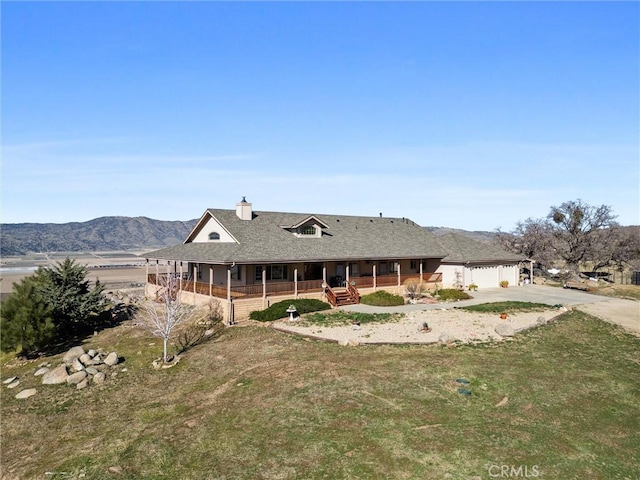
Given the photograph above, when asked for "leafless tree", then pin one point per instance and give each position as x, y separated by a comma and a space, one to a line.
532, 239
572, 234
163, 316
579, 228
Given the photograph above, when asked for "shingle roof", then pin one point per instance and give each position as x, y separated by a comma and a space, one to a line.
463, 249
263, 239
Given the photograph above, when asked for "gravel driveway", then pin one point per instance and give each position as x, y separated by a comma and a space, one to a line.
625, 313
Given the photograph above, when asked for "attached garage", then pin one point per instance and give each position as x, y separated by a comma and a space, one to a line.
471, 261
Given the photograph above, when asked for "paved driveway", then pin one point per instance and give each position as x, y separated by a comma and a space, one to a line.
615, 310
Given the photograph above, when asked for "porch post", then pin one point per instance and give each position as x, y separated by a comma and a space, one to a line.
324, 273
210, 280
375, 279
195, 280
295, 283
531, 273
181, 276
399, 274
346, 271
264, 282
228, 283
420, 271
147, 271
157, 271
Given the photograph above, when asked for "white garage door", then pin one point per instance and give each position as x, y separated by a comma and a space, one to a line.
484, 277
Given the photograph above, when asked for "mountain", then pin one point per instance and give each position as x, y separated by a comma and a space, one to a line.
120, 233
99, 234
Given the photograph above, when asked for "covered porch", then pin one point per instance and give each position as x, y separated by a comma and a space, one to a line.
237, 282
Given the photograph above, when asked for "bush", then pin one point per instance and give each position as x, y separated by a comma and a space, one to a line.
414, 288
453, 294
279, 310
382, 298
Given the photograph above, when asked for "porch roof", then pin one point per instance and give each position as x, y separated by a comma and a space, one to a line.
263, 240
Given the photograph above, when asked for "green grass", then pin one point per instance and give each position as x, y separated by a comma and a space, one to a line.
258, 404
341, 317
508, 307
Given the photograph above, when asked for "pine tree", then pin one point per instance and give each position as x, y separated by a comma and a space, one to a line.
26, 319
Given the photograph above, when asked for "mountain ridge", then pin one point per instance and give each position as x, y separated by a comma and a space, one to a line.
120, 233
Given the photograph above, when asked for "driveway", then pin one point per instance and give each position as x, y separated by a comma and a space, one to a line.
625, 313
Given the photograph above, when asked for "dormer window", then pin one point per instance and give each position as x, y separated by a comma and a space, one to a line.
308, 230
214, 236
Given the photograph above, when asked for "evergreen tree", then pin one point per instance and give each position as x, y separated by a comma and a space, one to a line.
76, 306
26, 319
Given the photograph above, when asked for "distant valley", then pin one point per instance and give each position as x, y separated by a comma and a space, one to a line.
120, 234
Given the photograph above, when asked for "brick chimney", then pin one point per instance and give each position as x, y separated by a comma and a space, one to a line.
244, 210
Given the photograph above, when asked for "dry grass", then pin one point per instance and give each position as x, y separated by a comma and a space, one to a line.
257, 404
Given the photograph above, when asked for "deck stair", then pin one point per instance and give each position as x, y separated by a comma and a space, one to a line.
343, 296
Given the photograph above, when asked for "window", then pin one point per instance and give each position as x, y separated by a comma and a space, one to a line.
235, 272
214, 236
258, 275
383, 268
393, 267
354, 269
277, 272
308, 230
413, 265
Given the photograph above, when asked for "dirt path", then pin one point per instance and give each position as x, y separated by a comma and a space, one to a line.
625, 313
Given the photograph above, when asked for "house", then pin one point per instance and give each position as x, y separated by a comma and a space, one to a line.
249, 259
473, 262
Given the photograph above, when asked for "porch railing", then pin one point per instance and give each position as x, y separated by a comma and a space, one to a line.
283, 288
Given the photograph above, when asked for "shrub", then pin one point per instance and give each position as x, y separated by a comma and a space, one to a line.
382, 298
279, 310
414, 288
453, 294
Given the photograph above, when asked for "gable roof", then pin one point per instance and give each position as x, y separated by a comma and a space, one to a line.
463, 249
263, 240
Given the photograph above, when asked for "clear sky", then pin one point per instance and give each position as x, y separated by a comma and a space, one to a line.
470, 115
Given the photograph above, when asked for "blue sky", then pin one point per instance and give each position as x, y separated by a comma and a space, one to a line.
470, 115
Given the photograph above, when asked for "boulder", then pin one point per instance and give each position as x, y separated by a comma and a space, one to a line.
14, 384
112, 359
85, 358
91, 370
76, 378
92, 353
353, 342
72, 354
82, 384
41, 371
10, 380
99, 377
446, 338
55, 376
541, 320
29, 392
76, 365
505, 330
96, 360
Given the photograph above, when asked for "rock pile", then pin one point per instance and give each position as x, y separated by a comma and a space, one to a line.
79, 368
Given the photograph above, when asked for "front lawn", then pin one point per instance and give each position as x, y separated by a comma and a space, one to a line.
560, 401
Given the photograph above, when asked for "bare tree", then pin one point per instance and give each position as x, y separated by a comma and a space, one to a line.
578, 229
573, 234
164, 315
532, 239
